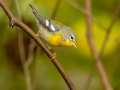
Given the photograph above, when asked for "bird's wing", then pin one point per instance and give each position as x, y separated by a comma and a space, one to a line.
46, 23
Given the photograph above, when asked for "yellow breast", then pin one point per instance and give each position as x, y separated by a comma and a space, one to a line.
55, 40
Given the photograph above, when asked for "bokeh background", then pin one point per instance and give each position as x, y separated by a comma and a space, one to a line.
77, 62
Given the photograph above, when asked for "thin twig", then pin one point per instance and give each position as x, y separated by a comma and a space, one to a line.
109, 29
108, 32
93, 48
16, 22
82, 10
31, 58
22, 52
21, 48
88, 81
31, 51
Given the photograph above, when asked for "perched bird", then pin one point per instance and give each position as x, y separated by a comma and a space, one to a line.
54, 33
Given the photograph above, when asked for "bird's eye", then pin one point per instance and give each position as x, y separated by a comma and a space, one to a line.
72, 37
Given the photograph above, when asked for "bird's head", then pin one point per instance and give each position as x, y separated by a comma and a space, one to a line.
69, 38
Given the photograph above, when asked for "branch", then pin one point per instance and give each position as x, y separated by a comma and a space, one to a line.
109, 29
16, 22
22, 53
108, 32
83, 11
93, 47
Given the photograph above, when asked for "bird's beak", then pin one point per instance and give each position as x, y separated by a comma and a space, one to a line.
75, 44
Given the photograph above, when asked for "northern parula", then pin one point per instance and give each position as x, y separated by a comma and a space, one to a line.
54, 33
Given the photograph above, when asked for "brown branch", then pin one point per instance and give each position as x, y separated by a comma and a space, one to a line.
89, 78
108, 32
25, 66
16, 22
109, 29
22, 53
21, 47
93, 48
83, 11
31, 57
31, 52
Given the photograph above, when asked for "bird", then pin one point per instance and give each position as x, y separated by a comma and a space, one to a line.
53, 32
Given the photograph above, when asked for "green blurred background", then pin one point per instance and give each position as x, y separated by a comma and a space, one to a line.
77, 62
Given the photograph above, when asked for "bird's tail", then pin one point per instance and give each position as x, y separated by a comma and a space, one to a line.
39, 18
35, 12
